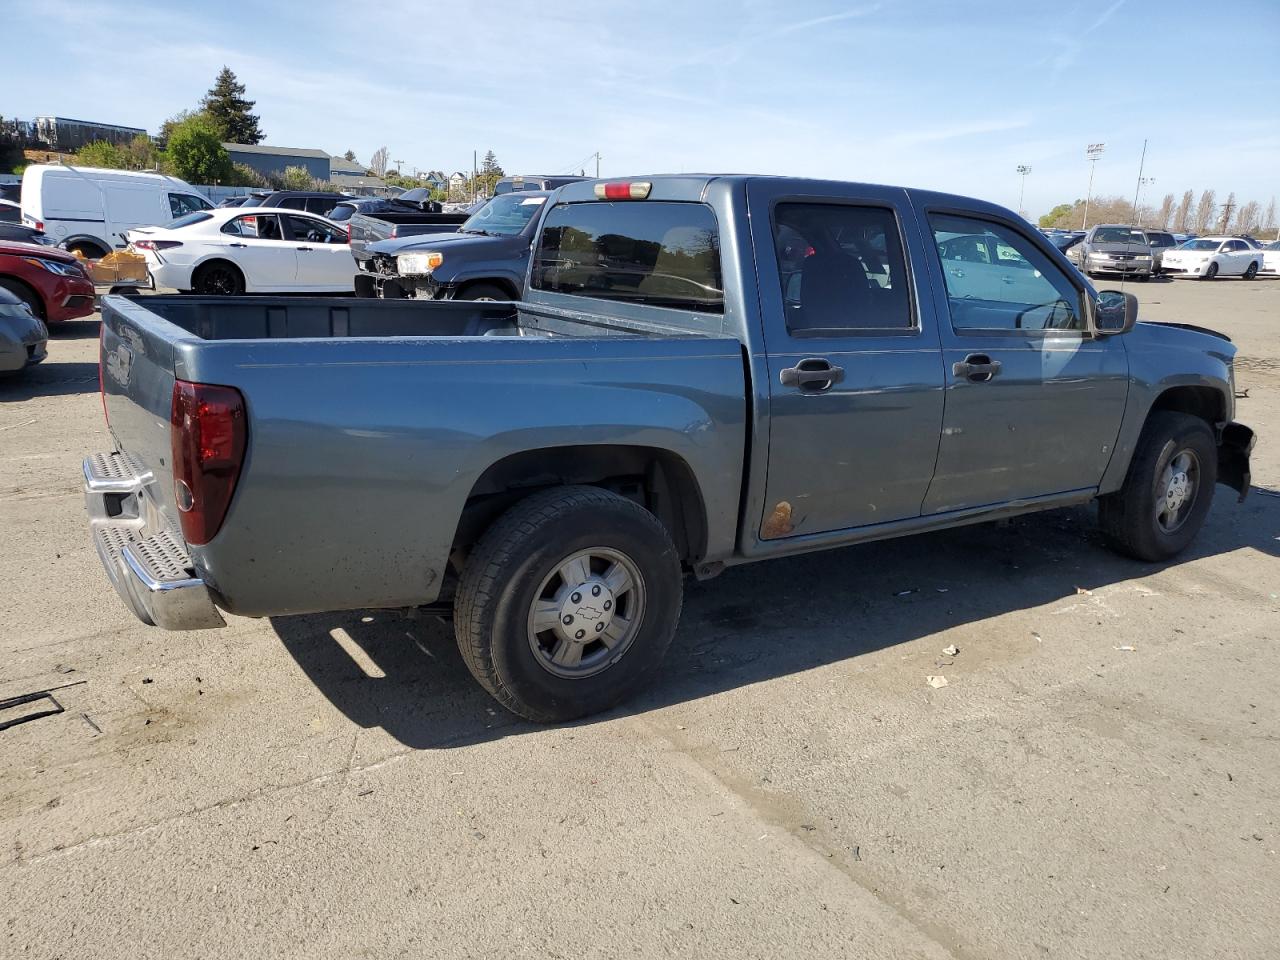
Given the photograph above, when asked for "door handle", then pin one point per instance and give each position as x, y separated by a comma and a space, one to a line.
977, 367
812, 374
302, 248
237, 245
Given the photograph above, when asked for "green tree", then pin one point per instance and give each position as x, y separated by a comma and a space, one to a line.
243, 175
11, 155
297, 178
196, 154
1054, 215
226, 106
100, 153
350, 155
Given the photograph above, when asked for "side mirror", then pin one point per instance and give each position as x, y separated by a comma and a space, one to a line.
1114, 312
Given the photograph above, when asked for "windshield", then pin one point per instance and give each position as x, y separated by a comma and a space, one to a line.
1119, 235
1201, 245
1161, 239
416, 195
504, 216
188, 220
342, 211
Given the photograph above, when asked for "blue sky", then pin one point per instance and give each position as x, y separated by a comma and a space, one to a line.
946, 95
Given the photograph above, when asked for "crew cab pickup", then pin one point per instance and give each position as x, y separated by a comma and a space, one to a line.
484, 259
704, 371
409, 214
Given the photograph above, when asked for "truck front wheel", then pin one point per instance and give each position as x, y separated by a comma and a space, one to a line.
1168, 491
568, 603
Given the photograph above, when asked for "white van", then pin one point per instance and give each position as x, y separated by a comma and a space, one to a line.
88, 209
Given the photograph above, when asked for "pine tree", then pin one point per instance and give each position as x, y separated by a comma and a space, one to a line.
226, 106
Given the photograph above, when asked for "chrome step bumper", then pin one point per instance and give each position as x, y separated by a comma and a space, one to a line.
152, 573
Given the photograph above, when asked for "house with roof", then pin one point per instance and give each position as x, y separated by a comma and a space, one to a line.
458, 185
435, 179
353, 177
270, 161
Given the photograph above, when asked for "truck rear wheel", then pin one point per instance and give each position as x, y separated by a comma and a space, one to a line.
1168, 491
568, 603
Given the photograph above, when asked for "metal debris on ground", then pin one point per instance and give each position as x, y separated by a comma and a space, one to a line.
35, 696
950, 650
1126, 648
1084, 591
936, 682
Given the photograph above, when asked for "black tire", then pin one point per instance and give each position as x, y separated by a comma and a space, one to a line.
1128, 517
218, 278
25, 294
1251, 272
1144, 277
1211, 272
484, 291
509, 570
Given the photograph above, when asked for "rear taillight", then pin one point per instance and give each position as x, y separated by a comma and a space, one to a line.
207, 435
157, 244
348, 232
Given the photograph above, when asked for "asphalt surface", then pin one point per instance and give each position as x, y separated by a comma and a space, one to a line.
1098, 778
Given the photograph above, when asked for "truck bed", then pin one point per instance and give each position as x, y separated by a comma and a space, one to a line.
370, 423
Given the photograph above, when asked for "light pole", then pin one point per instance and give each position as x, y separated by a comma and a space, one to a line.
1023, 170
1092, 152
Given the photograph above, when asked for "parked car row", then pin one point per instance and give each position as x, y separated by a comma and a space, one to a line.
1142, 253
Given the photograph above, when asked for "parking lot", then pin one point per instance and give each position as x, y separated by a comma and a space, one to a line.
1098, 777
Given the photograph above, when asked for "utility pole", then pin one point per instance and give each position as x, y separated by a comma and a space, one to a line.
1227, 209
1023, 170
1137, 188
1091, 153
475, 173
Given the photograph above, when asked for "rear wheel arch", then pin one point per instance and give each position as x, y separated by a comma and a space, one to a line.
91, 247
659, 480
216, 262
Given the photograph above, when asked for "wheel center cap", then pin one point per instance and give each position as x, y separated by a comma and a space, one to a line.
1179, 488
586, 610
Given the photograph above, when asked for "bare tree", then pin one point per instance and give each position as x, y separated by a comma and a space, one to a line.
1269, 220
1184, 211
1228, 209
1166, 211
378, 162
1204, 211
1247, 220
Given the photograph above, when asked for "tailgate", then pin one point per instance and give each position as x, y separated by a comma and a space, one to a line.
137, 369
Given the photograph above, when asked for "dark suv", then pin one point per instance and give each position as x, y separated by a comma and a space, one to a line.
312, 201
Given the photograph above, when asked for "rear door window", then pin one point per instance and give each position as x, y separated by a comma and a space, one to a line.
841, 267
314, 231
660, 253
259, 226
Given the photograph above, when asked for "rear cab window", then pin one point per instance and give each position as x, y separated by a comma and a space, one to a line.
655, 252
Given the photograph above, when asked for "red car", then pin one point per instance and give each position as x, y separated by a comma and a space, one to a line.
51, 281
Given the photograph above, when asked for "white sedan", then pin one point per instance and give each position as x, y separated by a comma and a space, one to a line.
1209, 257
1271, 258
247, 250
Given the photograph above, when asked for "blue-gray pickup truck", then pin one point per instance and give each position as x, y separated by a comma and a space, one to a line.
704, 371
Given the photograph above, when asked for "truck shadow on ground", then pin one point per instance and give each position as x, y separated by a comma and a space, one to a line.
758, 622
50, 379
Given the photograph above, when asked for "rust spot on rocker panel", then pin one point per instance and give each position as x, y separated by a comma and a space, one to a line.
778, 523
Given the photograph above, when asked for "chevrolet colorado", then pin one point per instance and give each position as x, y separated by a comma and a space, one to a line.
704, 371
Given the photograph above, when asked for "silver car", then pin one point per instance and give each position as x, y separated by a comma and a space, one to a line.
1114, 248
